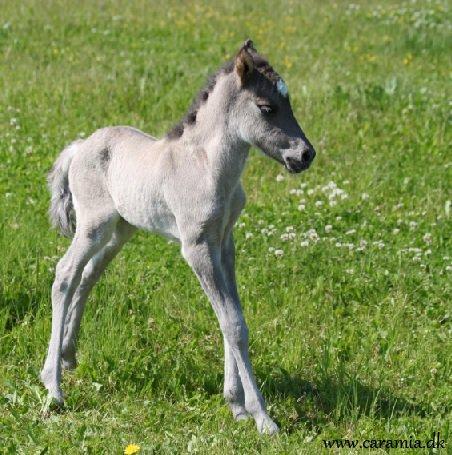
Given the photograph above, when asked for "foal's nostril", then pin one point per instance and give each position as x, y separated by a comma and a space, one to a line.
306, 156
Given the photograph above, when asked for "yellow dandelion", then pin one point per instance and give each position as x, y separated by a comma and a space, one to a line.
131, 449
288, 62
408, 59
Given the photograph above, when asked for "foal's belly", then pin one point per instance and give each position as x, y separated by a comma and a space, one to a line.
153, 216
146, 209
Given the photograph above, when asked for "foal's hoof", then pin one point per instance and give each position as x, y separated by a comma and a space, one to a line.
69, 363
55, 393
265, 425
239, 412
55, 398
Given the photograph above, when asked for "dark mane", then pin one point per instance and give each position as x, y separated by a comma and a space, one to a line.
261, 65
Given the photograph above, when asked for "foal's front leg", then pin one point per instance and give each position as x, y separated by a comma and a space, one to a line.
205, 259
233, 389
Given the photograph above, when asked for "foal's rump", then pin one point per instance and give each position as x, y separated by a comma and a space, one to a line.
78, 181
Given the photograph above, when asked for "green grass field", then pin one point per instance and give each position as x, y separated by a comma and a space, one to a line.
344, 271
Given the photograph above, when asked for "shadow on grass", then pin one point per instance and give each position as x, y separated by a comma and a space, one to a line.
317, 403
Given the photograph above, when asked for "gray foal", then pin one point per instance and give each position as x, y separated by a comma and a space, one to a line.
186, 187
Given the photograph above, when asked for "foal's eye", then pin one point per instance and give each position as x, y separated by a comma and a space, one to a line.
266, 109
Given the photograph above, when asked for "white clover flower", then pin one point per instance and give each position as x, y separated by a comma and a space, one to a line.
448, 268
362, 245
312, 235
364, 196
248, 235
241, 225
351, 232
303, 185
287, 236
318, 203
428, 252
332, 203
350, 271
301, 207
304, 243
413, 225
338, 244
338, 218
427, 238
395, 231
290, 229
328, 228
279, 253
279, 178
379, 244
271, 249
310, 192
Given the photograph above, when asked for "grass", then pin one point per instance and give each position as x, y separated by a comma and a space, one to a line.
349, 326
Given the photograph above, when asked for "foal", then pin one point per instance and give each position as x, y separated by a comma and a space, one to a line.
186, 187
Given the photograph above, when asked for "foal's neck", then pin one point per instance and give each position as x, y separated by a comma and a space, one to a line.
213, 135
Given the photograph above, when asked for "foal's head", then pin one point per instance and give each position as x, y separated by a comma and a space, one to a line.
263, 114
253, 101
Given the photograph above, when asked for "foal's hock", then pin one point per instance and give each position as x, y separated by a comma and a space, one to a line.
185, 186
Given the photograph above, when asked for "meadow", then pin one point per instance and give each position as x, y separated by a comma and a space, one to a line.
344, 271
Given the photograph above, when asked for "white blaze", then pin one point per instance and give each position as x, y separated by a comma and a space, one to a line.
282, 88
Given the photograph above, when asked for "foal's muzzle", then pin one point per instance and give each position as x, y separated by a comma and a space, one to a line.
299, 160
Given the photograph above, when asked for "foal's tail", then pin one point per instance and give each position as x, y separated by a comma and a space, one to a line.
61, 212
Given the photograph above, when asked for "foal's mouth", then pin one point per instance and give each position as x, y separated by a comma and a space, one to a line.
296, 166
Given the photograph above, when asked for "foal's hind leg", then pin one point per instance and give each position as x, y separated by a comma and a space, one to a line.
91, 274
89, 238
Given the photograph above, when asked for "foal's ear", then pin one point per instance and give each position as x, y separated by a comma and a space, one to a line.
244, 63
